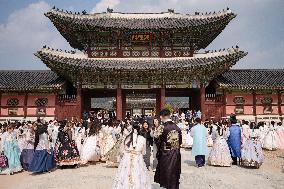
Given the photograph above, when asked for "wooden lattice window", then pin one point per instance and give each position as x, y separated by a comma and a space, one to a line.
41, 102
267, 105
12, 102
239, 101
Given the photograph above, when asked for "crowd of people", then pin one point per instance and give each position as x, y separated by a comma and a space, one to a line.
41, 146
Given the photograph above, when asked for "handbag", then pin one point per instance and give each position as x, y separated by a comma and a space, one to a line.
3, 161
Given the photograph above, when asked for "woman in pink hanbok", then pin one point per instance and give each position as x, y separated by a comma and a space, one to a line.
280, 133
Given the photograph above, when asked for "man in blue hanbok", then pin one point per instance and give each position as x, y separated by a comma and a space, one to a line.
234, 140
199, 147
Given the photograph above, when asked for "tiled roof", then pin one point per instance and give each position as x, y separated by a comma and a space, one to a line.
203, 67
21, 80
166, 20
252, 79
201, 28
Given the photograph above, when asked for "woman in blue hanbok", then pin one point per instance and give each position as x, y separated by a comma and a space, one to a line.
11, 151
43, 159
28, 148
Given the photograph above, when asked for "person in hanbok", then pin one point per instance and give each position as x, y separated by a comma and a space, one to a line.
199, 147
109, 138
252, 155
43, 158
263, 132
209, 135
189, 139
132, 172
234, 140
220, 153
156, 125
79, 135
271, 139
114, 155
53, 133
66, 151
169, 158
245, 131
28, 150
11, 151
280, 133
90, 150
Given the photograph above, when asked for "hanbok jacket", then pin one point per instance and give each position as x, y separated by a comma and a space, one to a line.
199, 134
234, 140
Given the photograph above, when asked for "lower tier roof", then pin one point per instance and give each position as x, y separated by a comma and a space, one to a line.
21, 80
252, 79
248, 79
79, 68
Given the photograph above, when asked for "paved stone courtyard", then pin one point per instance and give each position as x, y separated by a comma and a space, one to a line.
270, 175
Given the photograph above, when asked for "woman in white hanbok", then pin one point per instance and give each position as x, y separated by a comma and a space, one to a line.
132, 172
188, 138
220, 153
80, 135
271, 139
252, 155
90, 150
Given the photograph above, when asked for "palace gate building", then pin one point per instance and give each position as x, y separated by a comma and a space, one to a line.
138, 63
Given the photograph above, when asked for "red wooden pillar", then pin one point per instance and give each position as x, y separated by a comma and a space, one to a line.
79, 101
25, 105
279, 105
202, 102
56, 105
160, 99
224, 103
254, 105
119, 104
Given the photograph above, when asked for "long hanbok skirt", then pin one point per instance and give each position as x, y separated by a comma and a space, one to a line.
271, 141
209, 141
79, 144
189, 140
42, 161
12, 152
90, 150
132, 173
280, 134
67, 154
220, 153
114, 155
26, 158
252, 155
109, 143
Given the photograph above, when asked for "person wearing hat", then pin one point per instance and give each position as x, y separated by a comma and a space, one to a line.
169, 158
234, 140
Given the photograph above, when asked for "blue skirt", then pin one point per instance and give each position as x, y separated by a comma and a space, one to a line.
26, 158
42, 162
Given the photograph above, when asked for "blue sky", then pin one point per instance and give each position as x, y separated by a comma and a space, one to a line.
258, 28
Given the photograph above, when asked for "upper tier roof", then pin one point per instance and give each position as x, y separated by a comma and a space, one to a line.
202, 67
252, 79
68, 24
20, 80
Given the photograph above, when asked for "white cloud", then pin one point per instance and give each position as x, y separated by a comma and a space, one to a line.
26, 31
104, 4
